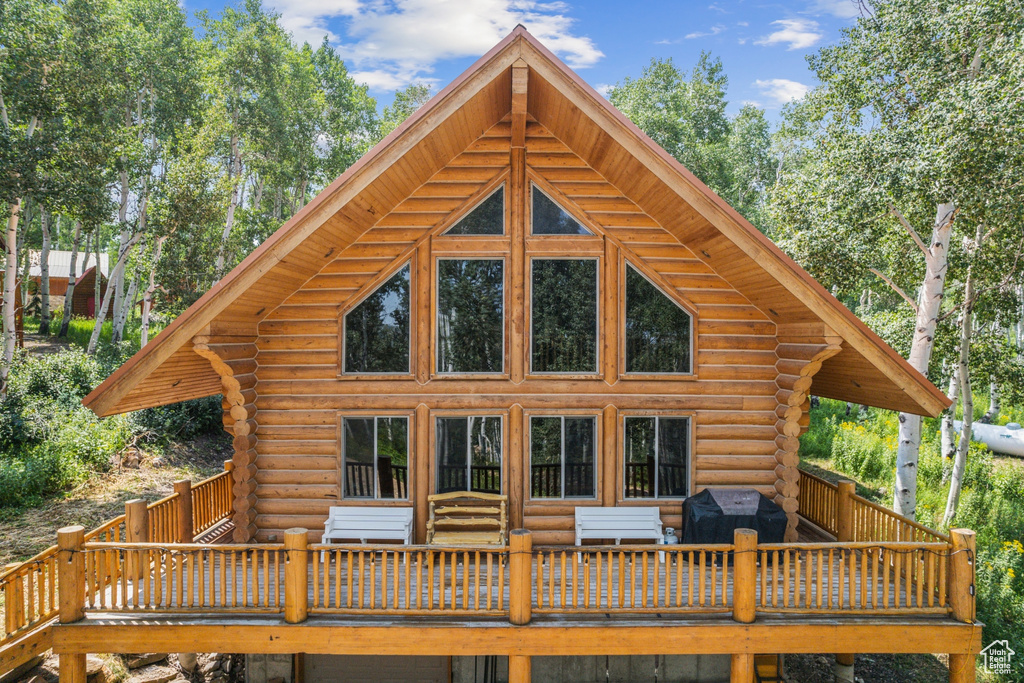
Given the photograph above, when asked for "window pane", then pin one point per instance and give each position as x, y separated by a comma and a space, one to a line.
357, 448
564, 315
393, 457
470, 308
546, 457
657, 330
451, 454
579, 457
488, 218
377, 330
673, 445
485, 447
550, 219
639, 456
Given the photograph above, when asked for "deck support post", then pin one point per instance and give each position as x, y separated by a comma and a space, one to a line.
296, 578
843, 667
519, 669
961, 599
71, 579
741, 669
183, 488
136, 527
744, 590
520, 554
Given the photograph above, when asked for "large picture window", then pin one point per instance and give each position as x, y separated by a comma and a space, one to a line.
469, 453
656, 458
562, 452
658, 331
563, 316
470, 315
375, 457
376, 332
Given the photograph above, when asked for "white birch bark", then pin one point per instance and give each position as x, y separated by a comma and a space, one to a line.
235, 171
967, 402
947, 443
929, 305
10, 277
101, 312
72, 280
147, 296
44, 275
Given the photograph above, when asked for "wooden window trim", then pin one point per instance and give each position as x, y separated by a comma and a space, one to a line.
409, 500
528, 328
534, 179
454, 412
620, 459
369, 289
626, 261
537, 504
505, 326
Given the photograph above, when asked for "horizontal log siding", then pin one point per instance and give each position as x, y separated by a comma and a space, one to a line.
299, 394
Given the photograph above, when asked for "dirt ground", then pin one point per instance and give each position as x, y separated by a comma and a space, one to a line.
23, 533
40, 345
869, 668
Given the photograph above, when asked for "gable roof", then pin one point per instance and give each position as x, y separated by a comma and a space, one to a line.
167, 370
60, 263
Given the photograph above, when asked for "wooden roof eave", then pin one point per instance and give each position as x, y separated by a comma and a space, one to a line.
927, 399
105, 399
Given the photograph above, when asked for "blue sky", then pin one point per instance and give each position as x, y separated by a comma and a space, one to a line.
391, 43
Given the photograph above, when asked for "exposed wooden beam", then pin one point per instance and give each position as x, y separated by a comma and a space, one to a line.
520, 79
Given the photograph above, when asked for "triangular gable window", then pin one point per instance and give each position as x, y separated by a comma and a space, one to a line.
376, 332
487, 218
551, 219
659, 331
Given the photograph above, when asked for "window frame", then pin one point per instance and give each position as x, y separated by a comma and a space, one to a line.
668, 291
350, 306
433, 461
598, 323
410, 416
691, 460
596, 418
435, 342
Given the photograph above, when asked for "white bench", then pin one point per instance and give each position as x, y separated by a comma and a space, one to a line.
619, 523
365, 523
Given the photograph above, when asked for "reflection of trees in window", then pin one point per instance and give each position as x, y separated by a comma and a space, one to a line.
563, 317
657, 329
375, 457
377, 330
470, 312
656, 451
562, 457
468, 454
488, 218
548, 218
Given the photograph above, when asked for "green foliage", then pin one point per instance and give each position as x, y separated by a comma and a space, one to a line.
184, 420
1000, 590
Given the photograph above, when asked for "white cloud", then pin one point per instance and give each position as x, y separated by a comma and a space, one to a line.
713, 31
798, 33
392, 43
844, 9
604, 89
715, 8
781, 90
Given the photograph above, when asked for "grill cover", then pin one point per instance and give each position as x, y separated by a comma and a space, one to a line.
712, 515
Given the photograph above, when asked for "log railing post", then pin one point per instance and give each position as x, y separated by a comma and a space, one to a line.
744, 590
961, 598
14, 599
519, 669
844, 510
184, 504
136, 527
520, 589
741, 668
71, 584
296, 577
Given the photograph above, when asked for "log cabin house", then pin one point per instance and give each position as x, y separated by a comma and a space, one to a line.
515, 292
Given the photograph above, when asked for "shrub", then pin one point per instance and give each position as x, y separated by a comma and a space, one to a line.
1000, 591
183, 420
863, 452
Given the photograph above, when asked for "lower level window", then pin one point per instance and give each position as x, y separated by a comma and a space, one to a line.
469, 453
375, 457
562, 456
657, 453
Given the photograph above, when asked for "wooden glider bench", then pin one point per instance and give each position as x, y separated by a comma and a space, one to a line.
467, 518
365, 523
619, 523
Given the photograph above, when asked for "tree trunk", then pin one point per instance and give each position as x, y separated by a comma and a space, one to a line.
948, 445
72, 279
116, 281
993, 403
147, 297
10, 277
235, 171
97, 293
44, 277
101, 312
908, 450
967, 403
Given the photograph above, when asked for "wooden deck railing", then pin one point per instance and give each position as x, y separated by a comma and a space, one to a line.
211, 501
819, 501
